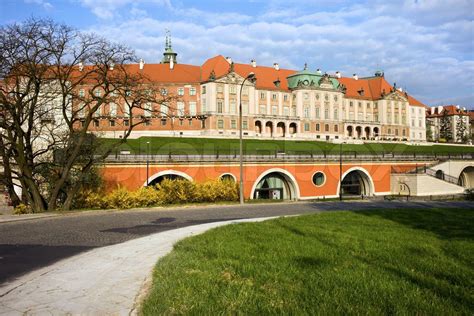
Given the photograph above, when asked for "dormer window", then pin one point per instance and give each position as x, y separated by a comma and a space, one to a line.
361, 91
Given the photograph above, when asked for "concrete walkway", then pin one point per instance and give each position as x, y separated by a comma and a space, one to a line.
103, 281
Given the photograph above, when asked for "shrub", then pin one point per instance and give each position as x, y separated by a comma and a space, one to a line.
167, 192
22, 209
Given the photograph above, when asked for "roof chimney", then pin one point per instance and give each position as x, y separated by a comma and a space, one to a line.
112, 65
318, 71
276, 66
253, 63
464, 108
338, 74
81, 66
171, 64
457, 107
432, 110
229, 60
400, 89
440, 109
142, 63
355, 77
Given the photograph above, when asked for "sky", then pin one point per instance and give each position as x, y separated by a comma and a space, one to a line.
425, 46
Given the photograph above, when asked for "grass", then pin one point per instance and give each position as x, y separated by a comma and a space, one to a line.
212, 146
367, 262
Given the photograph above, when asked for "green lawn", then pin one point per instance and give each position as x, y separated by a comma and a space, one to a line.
212, 146
370, 262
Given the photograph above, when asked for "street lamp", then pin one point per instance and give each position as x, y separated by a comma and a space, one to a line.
250, 77
340, 171
147, 161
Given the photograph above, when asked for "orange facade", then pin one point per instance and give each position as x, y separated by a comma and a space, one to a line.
300, 175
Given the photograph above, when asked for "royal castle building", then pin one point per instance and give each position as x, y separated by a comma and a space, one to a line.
279, 103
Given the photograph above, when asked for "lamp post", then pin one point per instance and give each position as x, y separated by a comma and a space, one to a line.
250, 77
147, 161
340, 171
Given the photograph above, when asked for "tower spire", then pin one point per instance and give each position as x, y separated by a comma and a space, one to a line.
169, 55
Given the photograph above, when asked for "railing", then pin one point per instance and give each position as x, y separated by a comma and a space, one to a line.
281, 157
442, 176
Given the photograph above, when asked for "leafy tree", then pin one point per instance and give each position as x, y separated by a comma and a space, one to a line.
445, 129
461, 128
53, 82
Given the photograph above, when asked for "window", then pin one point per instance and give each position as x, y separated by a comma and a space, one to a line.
180, 91
359, 104
262, 95
306, 127
306, 112
317, 127
293, 111
112, 123
233, 106
96, 123
336, 128
286, 111
360, 116
192, 91
81, 93
164, 109
335, 98
181, 122
368, 105
220, 89
233, 124
396, 132
203, 90
232, 89
220, 107
203, 105
245, 108
317, 112
336, 114
245, 90
190, 122
274, 96
419, 123
180, 106
389, 131
318, 179
163, 91
375, 105
220, 124
413, 122
285, 97
147, 111
317, 96
263, 109
245, 125
326, 127
126, 123
113, 109
274, 110
147, 123
97, 93
326, 97
351, 104
326, 113
163, 122
192, 108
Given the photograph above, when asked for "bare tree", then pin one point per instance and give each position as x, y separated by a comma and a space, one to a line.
55, 83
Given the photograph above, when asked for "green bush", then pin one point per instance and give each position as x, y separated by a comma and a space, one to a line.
167, 192
22, 209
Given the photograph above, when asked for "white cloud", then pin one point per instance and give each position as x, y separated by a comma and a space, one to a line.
45, 4
108, 9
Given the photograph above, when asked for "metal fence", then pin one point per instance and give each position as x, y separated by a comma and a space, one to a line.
129, 158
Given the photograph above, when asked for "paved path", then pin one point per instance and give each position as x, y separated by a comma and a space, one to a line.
103, 281
54, 257
29, 245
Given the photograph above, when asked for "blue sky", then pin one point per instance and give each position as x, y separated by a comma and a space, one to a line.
425, 46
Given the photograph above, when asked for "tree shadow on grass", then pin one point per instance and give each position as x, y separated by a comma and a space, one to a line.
445, 223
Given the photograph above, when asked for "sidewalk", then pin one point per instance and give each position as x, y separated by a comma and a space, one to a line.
105, 280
